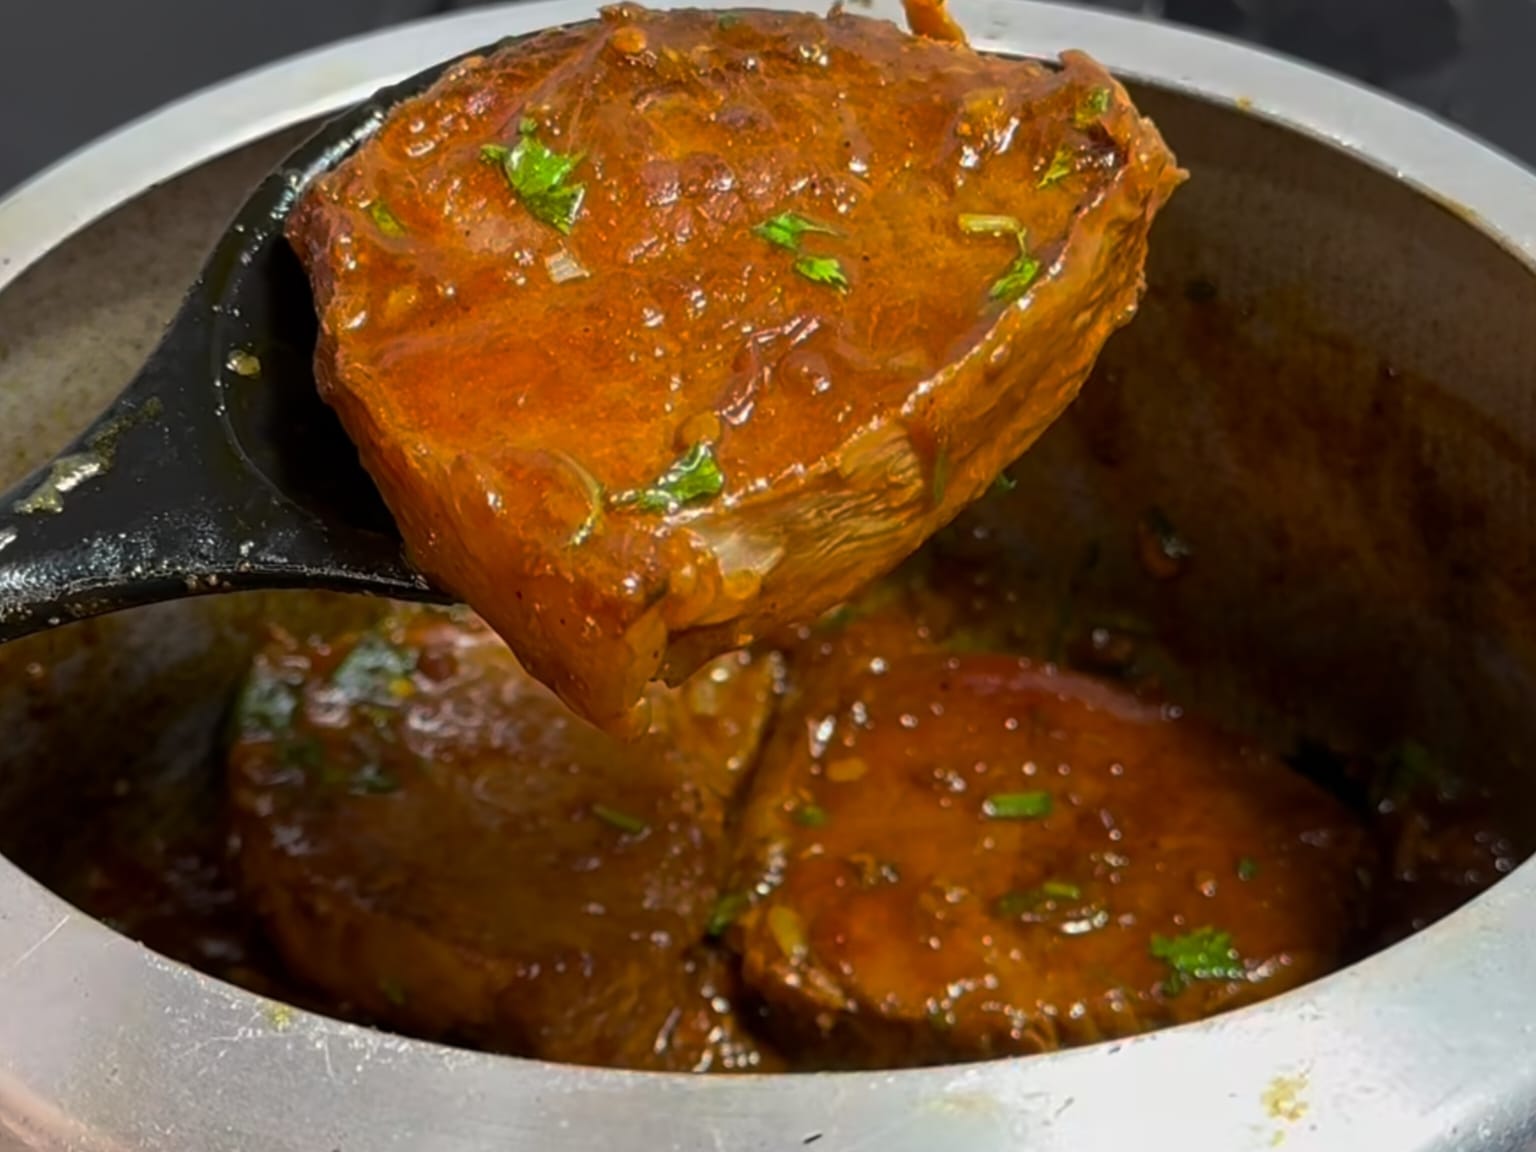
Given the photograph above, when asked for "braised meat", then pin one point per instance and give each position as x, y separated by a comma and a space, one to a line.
663, 330
430, 838
950, 857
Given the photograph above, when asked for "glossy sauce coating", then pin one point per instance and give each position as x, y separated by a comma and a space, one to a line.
431, 838
524, 355
955, 857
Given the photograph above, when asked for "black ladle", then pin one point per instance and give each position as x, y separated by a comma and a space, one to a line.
219, 467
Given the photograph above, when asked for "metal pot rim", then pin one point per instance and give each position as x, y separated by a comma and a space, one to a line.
105, 1045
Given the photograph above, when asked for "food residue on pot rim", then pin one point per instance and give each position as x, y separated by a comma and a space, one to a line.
68, 472
1282, 1098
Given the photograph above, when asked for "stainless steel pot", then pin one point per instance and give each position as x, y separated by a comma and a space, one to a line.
1349, 444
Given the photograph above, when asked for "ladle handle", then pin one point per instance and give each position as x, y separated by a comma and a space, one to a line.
154, 502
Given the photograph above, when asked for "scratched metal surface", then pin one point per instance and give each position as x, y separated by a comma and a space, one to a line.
106, 1046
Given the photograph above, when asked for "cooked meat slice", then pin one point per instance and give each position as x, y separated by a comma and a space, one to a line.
664, 330
956, 857
429, 836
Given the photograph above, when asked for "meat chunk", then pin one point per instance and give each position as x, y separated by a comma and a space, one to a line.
954, 857
432, 839
661, 331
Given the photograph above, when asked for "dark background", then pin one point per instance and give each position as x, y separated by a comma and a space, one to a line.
73, 69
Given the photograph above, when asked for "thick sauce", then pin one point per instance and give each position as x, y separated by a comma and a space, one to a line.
430, 837
849, 863
659, 332
952, 857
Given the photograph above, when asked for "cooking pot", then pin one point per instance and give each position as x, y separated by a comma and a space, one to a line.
1329, 389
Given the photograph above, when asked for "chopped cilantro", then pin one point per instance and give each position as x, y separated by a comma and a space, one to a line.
1410, 767
539, 176
372, 672
693, 476
1094, 105
1017, 806
727, 909
1005, 482
826, 270
1012, 905
303, 753
1205, 954
371, 780
990, 224
785, 229
623, 821
810, 816
1247, 868
1016, 280
388, 222
1059, 169
266, 704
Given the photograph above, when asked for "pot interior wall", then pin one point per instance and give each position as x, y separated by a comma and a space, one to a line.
1326, 394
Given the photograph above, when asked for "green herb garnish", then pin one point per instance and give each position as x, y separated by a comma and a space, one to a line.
693, 476
375, 671
988, 224
303, 753
727, 20
1094, 105
1060, 168
1017, 806
623, 821
1247, 868
1205, 954
539, 176
371, 780
1005, 482
1014, 904
266, 704
388, 222
1016, 280
810, 816
728, 908
1410, 767
826, 270
785, 229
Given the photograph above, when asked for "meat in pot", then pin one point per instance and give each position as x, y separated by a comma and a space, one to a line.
962, 856
431, 838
